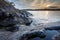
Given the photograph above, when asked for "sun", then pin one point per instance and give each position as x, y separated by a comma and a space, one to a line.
48, 5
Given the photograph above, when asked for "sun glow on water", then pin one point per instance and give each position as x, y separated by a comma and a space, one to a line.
46, 14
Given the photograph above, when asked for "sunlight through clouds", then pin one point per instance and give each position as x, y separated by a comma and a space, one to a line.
34, 3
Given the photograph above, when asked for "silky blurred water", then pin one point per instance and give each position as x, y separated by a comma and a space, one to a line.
45, 18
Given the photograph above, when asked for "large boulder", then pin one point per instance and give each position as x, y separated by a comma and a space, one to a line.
11, 18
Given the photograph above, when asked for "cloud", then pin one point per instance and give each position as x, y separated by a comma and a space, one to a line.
32, 3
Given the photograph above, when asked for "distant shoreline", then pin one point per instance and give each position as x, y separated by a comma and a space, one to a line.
41, 9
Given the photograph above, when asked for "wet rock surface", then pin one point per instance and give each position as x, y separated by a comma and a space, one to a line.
10, 21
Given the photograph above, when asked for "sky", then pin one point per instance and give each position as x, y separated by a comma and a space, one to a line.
32, 3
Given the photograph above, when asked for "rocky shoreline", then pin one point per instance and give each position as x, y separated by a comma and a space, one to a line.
11, 20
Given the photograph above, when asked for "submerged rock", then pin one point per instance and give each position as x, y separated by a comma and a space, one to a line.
56, 37
53, 28
39, 35
31, 35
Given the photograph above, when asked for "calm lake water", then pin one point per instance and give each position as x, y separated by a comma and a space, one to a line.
50, 16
